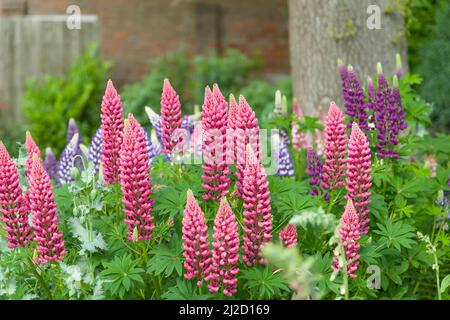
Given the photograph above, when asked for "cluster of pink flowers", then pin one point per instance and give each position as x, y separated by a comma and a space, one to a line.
257, 209
13, 204
223, 269
195, 240
335, 149
112, 130
32, 149
288, 236
349, 235
214, 124
359, 175
44, 216
136, 182
170, 117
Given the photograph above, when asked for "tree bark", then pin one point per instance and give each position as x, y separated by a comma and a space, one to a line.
321, 31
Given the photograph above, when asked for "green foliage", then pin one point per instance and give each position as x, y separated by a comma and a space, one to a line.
122, 275
263, 283
50, 103
167, 259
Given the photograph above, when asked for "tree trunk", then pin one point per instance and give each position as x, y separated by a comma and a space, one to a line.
321, 31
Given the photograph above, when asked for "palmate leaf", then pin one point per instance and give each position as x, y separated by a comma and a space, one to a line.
184, 290
291, 204
171, 201
396, 234
167, 259
264, 282
122, 276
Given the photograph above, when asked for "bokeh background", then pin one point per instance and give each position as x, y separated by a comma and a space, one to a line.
50, 73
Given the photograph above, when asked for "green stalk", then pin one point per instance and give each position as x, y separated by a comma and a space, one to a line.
41, 280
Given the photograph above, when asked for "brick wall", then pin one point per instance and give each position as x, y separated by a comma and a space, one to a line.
135, 31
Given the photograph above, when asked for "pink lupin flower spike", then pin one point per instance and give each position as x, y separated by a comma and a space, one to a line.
136, 182
44, 215
13, 205
349, 235
359, 175
112, 127
214, 123
257, 210
32, 149
247, 132
225, 253
288, 236
170, 117
335, 149
195, 241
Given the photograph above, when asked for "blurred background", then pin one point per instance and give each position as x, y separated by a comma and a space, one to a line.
56, 55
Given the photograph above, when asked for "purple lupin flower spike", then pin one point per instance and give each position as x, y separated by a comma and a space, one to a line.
353, 94
285, 163
68, 160
315, 171
155, 120
389, 116
95, 149
51, 165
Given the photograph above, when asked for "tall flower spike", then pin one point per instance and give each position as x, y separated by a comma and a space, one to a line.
44, 215
155, 120
315, 171
257, 210
32, 149
225, 253
195, 241
214, 125
349, 235
13, 206
67, 161
353, 93
247, 132
358, 176
135, 181
95, 149
170, 116
51, 165
288, 236
335, 149
112, 127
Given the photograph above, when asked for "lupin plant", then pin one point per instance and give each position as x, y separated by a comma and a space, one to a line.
95, 149
67, 163
51, 165
170, 117
288, 236
32, 149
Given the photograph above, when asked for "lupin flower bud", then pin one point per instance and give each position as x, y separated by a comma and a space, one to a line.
112, 127
95, 149
278, 109
44, 215
359, 176
51, 165
288, 236
349, 235
195, 241
300, 140
398, 66
214, 125
71, 130
225, 253
335, 149
170, 116
136, 181
257, 210
13, 206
